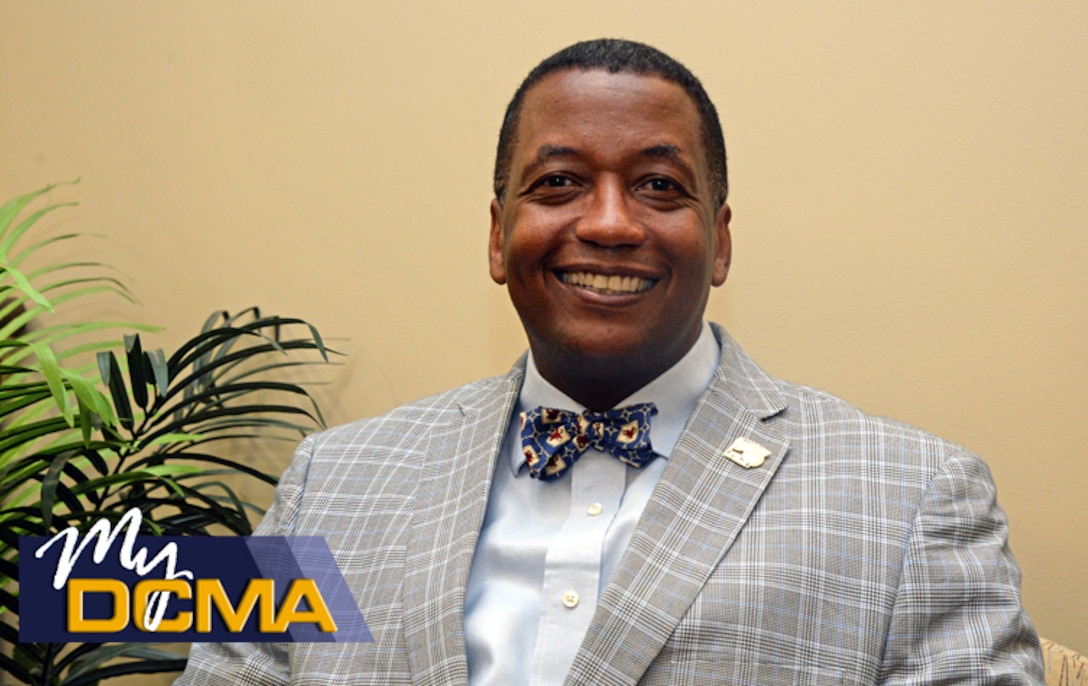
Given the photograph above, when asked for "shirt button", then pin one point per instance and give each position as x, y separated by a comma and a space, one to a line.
595, 509
570, 598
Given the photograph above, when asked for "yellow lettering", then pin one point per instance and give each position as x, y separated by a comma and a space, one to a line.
302, 604
76, 621
154, 591
210, 592
318, 613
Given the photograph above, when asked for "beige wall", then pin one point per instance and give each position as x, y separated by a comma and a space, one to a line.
909, 193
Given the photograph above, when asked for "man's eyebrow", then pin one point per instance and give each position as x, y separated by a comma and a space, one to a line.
670, 153
545, 153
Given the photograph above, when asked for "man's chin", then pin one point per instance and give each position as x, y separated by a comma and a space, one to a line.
604, 357
610, 348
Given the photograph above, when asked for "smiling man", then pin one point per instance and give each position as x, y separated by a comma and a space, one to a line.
636, 501
608, 230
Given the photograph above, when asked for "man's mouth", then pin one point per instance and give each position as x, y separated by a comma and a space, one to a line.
607, 284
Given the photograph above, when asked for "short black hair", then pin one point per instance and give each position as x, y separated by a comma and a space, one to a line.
616, 56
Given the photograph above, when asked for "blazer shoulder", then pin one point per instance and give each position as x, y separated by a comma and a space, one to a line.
820, 404
820, 423
490, 394
816, 422
381, 457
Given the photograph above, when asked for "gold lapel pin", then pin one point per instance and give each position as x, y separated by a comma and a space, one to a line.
747, 453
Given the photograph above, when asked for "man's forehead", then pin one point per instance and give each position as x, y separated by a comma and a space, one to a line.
607, 98
632, 82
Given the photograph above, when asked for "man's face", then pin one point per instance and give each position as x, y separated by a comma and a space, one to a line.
608, 238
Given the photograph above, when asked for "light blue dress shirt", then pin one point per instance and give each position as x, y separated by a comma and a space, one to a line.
547, 550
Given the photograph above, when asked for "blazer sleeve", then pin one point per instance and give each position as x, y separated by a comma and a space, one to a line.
255, 664
957, 618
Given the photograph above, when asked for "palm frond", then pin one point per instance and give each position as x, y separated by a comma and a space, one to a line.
90, 428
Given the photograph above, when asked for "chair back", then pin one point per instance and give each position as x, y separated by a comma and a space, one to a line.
1063, 666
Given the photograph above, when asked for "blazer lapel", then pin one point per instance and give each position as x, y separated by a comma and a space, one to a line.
695, 513
455, 478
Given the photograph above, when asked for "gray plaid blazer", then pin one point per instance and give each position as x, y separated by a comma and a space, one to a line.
862, 551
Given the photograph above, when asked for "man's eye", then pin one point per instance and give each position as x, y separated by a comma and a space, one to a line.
555, 181
662, 186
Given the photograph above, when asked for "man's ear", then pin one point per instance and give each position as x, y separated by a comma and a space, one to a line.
723, 255
495, 244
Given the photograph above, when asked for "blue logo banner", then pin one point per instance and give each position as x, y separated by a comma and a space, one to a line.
108, 587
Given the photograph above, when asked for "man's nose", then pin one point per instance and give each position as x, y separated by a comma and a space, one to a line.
609, 221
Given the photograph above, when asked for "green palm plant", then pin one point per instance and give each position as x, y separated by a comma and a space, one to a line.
91, 429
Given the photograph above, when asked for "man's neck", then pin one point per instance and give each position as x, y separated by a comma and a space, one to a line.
600, 385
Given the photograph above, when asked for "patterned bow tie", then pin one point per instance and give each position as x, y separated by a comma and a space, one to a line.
553, 440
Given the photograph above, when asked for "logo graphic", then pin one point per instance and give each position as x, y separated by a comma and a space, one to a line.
113, 584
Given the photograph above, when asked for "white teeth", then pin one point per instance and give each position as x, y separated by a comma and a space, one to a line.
609, 285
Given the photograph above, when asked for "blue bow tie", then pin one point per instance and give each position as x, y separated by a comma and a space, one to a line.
553, 440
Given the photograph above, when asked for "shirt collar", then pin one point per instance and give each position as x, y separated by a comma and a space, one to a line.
675, 392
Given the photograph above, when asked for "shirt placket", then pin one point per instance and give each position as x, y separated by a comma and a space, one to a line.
572, 565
